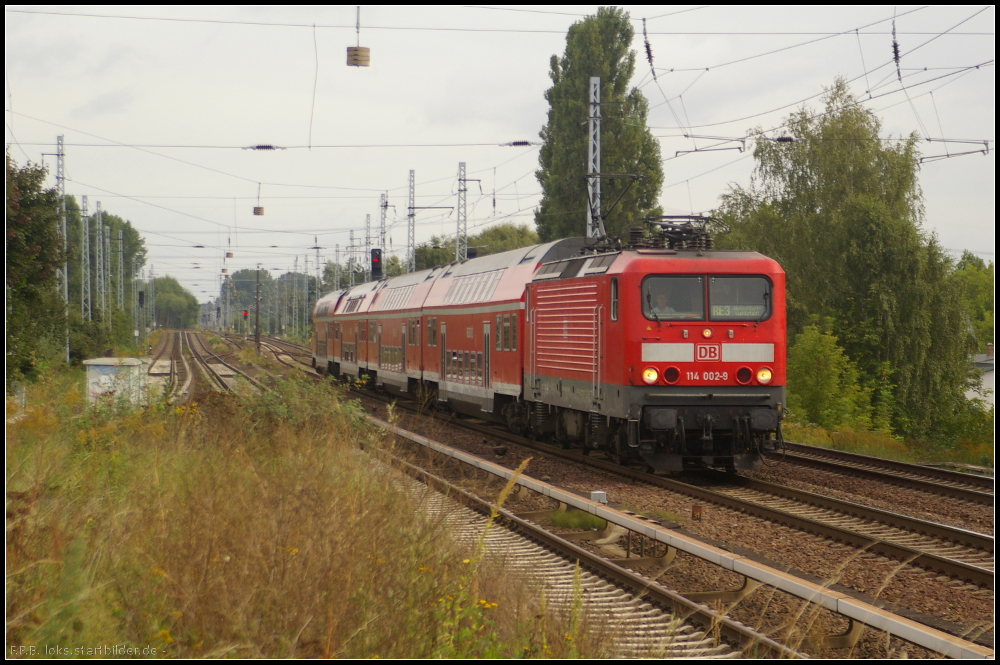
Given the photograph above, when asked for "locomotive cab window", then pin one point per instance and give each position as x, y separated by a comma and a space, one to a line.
739, 298
673, 298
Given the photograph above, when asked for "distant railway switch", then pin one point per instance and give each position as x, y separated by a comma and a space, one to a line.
661, 419
764, 420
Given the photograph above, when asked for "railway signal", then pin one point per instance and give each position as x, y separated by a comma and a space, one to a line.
376, 263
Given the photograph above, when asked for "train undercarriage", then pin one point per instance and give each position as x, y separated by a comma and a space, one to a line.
663, 438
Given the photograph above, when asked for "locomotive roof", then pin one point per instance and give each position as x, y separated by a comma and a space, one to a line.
502, 277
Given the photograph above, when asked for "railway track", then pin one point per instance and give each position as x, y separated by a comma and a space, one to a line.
180, 371
907, 625
641, 628
646, 619
942, 482
221, 374
170, 364
964, 554
876, 536
924, 544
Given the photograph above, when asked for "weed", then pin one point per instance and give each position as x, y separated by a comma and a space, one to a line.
245, 526
576, 519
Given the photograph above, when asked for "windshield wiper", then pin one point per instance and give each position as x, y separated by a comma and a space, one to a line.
649, 301
767, 297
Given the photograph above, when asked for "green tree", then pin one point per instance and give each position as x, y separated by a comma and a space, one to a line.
34, 310
596, 46
500, 238
823, 382
840, 208
976, 278
394, 266
176, 307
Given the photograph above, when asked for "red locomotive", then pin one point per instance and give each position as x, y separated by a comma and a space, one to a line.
664, 350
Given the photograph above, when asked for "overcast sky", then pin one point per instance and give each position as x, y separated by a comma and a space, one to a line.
155, 112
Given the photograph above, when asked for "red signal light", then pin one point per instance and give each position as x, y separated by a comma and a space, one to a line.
245, 314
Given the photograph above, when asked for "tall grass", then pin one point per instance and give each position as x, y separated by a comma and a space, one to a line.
244, 526
879, 444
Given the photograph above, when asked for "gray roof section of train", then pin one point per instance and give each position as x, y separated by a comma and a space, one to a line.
552, 251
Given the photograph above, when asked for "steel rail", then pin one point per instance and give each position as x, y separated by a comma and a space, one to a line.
928, 561
206, 367
642, 587
179, 390
973, 539
858, 610
965, 486
254, 382
961, 570
163, 346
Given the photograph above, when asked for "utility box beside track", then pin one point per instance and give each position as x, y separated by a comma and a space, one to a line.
112, 380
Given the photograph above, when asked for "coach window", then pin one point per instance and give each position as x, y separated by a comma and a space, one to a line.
614, 298
673, 298
739, 298
513, 332
371, 332
506, 332
499, 333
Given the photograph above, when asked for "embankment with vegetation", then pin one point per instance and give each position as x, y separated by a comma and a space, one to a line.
244, 526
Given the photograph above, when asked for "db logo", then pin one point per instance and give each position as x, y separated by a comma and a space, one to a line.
708, 352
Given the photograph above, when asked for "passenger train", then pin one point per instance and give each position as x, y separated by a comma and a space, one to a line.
663, 351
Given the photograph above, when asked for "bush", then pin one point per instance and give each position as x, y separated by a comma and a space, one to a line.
823, 385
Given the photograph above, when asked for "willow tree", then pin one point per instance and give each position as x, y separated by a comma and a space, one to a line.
840, 207
596, 46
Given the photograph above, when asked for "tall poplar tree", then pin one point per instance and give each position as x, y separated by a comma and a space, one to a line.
596, 46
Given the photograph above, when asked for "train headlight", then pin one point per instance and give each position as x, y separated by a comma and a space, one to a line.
671, 375
764, 375
706, 333
650, 375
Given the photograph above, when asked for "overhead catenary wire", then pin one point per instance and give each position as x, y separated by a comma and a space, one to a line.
687, 121
919, 46
412, 28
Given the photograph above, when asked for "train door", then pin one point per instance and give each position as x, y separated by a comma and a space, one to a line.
379, 359
486, 354
444, 355
363, 344
402, 349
